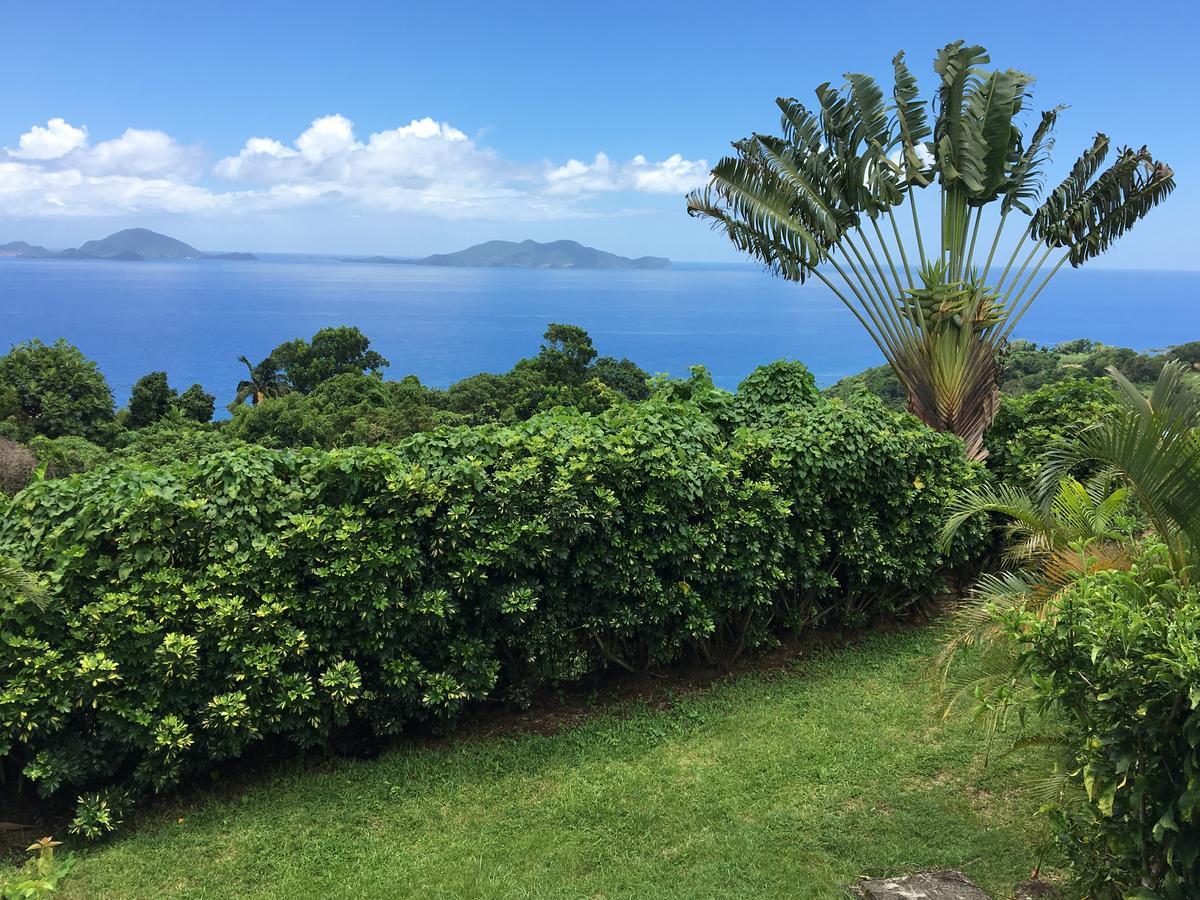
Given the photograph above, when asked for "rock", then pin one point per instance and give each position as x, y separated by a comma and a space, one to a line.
946, 885
1035, 889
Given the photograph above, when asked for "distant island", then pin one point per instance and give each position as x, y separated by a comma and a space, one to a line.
131, 244
526, 255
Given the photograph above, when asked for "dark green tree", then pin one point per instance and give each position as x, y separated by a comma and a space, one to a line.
196, 404
56, 390
622, 375
333, 351
566, 353
1188, 353
151, 399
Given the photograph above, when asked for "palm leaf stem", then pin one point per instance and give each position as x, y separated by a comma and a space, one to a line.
974, 236
884, 305
1020, 272
1013, 258
995, 242
885, 290
912, 205
1011, 300
1015, 318
858, 315
879, 333
942, 213
883, 321
867, 270
900, 245
888, 256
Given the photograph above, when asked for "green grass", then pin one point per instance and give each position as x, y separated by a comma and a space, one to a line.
779, 784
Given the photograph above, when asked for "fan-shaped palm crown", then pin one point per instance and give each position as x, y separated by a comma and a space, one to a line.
820, 199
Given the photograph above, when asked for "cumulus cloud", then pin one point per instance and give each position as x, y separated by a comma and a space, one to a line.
51, 141
426, 167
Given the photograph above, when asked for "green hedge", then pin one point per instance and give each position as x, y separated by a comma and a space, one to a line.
1117, 661
263, 597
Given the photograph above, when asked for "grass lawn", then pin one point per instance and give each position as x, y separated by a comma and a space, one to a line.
784, 783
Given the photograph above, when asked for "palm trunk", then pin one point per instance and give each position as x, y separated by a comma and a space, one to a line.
954, 389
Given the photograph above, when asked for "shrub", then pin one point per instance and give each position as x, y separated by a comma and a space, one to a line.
64, 456
878, 380
772, 389
16, 466
1117, 661
259, 595
1026, 426
170, 441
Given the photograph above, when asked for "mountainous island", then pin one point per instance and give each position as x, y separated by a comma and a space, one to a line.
131, 244
527, 255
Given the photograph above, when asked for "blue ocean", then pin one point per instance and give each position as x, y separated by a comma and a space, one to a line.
194, 318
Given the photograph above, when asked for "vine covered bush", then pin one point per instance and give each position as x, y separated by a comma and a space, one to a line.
1116, 661
279, 598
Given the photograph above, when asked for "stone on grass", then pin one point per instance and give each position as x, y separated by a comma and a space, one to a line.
944, 885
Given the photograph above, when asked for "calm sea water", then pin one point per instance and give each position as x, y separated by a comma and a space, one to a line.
195, 318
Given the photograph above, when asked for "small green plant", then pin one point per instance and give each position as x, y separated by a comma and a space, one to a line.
40, 875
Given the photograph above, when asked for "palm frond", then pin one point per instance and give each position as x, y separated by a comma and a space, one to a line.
1154, 446
912, 123
1025, 181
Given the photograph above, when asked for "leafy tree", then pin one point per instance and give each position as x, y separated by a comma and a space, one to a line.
57, 391
196, 404
1079, 345
774, 388
264, 380
566, 353
1137, 367
151, 399
878, 380
1187, 353
333, 351
622, 375
824, 194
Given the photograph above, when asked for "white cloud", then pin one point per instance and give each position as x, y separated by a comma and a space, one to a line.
425, 167
674, 175
140, 154
51, 141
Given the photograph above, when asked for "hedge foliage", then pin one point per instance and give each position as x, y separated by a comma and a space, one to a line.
1118, 663
260, 597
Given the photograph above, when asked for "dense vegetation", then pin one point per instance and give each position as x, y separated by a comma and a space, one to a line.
329, 393
56, 409
348, 556
202, 608
1028, 366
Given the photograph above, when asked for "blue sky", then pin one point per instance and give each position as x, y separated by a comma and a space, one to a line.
488, 118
